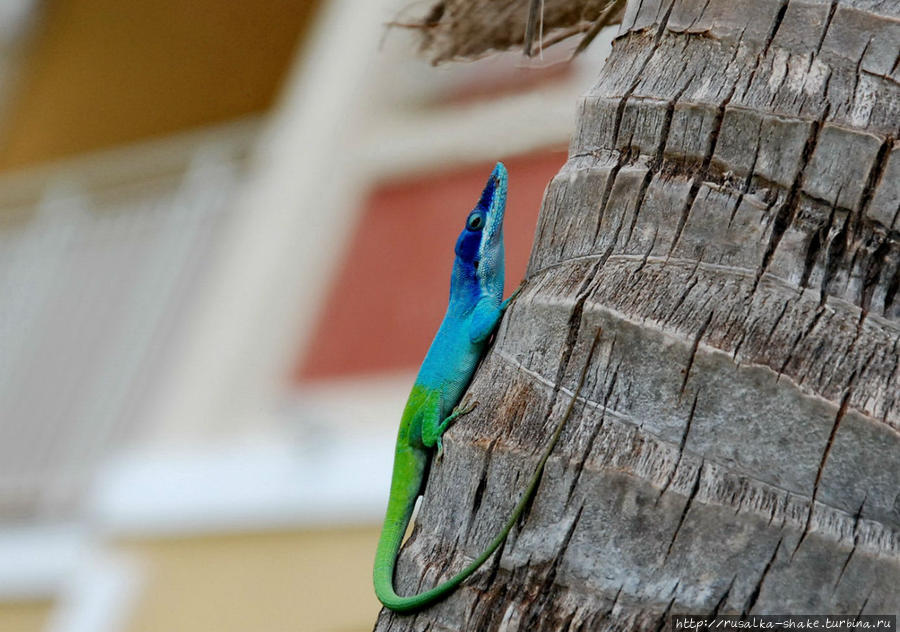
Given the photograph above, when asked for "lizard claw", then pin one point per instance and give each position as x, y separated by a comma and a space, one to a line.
512, 297
465, 410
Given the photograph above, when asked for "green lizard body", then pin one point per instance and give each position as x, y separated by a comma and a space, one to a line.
474, 310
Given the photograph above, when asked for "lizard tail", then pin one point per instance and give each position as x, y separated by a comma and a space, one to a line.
389, 546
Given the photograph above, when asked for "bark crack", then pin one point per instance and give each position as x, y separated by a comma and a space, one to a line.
604, 199
834, 255
779, 18
801, 335
544, 592
825, 28
754, 594
858, 73
684, 512
873, 179
784, 217
579, 468
723, 599
827, 450
694, 347
856, 519
749, 179
775, 324
704, 167
482, 484
681, 446
665, 613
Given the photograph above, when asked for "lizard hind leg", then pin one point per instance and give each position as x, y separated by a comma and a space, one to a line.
433, 428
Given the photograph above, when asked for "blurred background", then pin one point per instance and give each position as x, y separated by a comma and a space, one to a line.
226, 234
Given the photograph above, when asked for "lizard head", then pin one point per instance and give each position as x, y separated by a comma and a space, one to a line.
481, 241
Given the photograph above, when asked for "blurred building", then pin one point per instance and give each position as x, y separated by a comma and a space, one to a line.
226, 233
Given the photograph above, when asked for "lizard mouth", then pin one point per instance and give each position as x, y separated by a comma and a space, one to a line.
494, 201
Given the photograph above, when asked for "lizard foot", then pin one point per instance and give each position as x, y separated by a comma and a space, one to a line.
512, 297
461, 409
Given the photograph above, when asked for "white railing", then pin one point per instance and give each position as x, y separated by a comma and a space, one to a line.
98, 258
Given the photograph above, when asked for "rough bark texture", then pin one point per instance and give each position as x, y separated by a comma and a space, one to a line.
729, 216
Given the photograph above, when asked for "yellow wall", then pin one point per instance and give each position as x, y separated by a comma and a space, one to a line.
288, 581
311, 581
26, 616
99, 73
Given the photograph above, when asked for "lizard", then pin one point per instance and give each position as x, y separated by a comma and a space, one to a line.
473, 313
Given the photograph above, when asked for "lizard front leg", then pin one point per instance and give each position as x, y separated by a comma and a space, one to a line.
483, 322
486, 316
433, 427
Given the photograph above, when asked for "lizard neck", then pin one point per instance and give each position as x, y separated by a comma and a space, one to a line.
465, 288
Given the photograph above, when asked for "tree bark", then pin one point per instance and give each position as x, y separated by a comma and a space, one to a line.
729, 218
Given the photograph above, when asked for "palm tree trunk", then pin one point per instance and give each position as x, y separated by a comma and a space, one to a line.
728, 216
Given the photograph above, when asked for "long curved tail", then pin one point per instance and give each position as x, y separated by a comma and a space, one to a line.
395, 528
389, 547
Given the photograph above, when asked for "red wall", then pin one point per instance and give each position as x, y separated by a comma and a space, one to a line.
392, 288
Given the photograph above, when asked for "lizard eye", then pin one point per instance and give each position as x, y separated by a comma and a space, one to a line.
475, 222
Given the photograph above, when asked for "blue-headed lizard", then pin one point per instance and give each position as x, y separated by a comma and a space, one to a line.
474, 310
